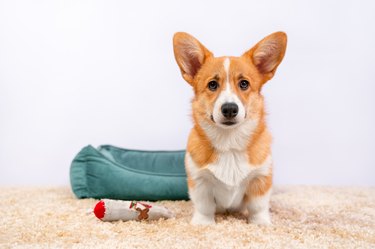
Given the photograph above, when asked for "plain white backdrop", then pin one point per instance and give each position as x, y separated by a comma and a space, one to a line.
76, 72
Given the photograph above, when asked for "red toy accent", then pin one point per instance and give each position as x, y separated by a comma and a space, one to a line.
99, 210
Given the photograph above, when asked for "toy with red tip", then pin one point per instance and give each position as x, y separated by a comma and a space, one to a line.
112, 210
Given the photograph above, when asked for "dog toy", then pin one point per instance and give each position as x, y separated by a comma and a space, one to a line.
112, 210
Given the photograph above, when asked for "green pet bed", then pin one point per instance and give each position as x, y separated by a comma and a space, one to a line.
116, 173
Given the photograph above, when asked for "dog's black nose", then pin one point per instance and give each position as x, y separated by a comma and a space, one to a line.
229, 110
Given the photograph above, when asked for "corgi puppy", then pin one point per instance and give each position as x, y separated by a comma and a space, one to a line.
228, 157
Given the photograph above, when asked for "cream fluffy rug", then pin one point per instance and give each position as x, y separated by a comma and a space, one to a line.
303, 217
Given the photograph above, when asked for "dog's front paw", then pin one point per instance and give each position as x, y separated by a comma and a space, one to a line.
262, 218
201, 219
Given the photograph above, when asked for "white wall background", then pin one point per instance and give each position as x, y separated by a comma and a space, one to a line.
78, 72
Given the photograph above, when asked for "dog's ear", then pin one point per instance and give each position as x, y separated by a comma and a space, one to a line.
267, 54
190, 55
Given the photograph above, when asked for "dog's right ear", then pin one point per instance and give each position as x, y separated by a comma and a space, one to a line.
190, 55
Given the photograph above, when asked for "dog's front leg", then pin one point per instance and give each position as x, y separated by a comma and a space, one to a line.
204, 204
258, 199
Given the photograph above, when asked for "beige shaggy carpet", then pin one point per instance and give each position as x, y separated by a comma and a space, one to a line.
303, 217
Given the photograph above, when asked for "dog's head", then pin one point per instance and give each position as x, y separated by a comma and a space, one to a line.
227, 89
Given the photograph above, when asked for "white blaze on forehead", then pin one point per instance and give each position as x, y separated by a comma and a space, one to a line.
226, 68
228, 88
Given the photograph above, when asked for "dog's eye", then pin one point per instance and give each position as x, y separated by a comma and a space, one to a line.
213, 85
244, 84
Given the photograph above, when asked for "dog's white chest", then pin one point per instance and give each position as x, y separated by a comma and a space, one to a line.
226, 178
231, 168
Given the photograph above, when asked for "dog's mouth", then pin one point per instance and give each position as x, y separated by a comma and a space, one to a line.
226, 122
229, 123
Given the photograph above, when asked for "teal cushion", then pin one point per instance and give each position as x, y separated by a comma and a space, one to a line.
116, 173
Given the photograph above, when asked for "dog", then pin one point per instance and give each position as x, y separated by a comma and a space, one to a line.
228, 157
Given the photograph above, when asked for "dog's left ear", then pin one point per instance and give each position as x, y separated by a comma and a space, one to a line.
190, 55
267, 54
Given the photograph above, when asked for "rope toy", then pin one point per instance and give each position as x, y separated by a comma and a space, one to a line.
112, 210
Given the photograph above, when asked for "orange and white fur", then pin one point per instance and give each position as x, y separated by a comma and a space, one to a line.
228, 158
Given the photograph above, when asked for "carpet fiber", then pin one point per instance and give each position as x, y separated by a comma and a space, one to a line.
303, 217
